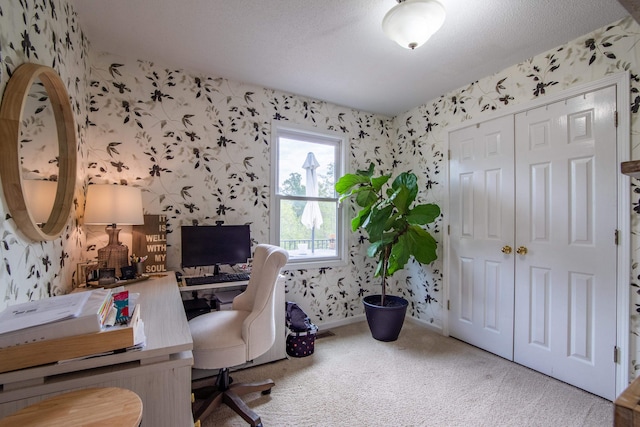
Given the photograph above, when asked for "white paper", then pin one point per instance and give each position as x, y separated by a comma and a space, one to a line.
42, 311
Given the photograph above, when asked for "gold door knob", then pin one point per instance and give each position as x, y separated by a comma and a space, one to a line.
522, 250
506, 249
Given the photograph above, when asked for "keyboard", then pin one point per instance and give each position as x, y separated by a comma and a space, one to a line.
218, 278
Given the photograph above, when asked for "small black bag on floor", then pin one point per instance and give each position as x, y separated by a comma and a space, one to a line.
301, 340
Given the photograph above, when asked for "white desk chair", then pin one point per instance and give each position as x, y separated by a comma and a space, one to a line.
224, 339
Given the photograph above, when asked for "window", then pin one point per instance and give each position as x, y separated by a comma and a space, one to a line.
306, 219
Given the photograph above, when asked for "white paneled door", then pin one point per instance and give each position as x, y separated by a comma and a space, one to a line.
481, 201
534, 280
565, 282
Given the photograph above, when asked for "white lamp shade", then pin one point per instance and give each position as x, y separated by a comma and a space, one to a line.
113, 204
411, 22
39, 196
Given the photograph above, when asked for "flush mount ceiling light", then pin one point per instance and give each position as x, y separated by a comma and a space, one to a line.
410, 23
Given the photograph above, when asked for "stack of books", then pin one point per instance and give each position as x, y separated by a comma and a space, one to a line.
65, 327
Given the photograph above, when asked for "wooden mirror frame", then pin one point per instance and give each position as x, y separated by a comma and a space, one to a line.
13, 103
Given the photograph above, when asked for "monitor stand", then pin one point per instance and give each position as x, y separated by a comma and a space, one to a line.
216, 270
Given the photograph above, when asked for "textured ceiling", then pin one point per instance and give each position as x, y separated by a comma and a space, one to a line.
336, 50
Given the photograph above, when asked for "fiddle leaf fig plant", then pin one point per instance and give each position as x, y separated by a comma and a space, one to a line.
393, 223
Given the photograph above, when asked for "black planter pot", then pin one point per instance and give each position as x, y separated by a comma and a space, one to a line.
385, 322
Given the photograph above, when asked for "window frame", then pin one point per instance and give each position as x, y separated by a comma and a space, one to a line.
316, 136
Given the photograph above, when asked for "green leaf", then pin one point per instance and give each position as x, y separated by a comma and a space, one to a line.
398, 223
379, 269
405, 190
423, 214
377, 222
381, 260
390, 192
378, 182
369, 172
400, 199
422, 245
353, 192
374, 248
344, 197
400, 253
349, 180
366, 197
360, 218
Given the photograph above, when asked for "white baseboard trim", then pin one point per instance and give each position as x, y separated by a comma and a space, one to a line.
341, 322
431, 326
362, 318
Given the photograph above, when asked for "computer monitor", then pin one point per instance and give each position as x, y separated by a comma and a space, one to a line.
212, 245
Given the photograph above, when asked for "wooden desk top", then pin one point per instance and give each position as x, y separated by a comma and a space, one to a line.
107, 406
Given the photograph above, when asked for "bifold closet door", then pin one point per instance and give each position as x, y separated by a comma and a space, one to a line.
532, 248
481, 269
565, 282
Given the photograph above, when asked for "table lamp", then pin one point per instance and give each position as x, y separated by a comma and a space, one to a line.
40, 196
111, 205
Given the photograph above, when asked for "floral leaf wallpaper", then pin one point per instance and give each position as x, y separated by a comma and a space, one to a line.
199, 147
44, 32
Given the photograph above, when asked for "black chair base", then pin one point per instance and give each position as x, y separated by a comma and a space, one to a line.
229, 394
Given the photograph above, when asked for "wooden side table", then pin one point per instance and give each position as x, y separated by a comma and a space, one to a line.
627, 406
105, 406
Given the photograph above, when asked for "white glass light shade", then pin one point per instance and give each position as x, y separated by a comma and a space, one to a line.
411, 22
39, 196
113, 204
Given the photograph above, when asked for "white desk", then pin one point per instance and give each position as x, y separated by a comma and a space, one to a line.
278, 350
160, 373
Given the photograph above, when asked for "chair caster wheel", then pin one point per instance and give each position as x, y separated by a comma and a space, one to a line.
266, 391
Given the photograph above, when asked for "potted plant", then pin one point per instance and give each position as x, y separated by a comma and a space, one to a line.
394, 225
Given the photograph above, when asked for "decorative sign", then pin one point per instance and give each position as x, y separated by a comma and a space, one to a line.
150, 241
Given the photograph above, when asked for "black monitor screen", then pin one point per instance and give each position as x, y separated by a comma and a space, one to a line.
207, 245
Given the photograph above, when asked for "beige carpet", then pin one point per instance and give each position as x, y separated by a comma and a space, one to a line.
423, 379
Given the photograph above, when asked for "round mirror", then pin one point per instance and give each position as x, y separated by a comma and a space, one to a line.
36, 124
